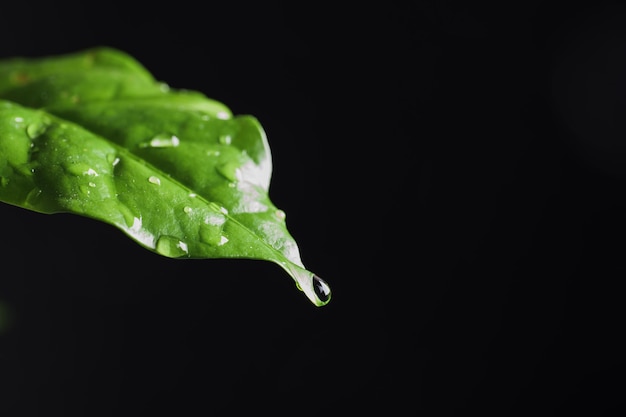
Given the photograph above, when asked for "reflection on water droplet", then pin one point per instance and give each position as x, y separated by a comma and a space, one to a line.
18, 119
187, 209
225, 139
154, 180
171, 246
36, 129
230, 171
321, 288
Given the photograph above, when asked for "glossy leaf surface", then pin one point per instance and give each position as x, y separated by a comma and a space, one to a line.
94, 134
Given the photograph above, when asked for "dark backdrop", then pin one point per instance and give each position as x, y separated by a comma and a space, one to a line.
454, 170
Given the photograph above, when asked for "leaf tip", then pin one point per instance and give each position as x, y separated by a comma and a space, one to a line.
315, 288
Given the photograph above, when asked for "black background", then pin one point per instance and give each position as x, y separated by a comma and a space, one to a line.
454, 170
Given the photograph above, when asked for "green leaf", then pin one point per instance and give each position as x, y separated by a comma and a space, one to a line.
94, 134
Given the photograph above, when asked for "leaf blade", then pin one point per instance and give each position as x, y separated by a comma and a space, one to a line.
173, 169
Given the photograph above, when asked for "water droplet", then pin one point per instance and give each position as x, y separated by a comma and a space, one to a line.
280, 214
210, 235
36, 129
154, 180
225, 139
321, 289
171, 246
163, 140
80, 169
113, 159
129, 217
33, 197
230, 171
139, 233
187, 209
18, 119
218, 208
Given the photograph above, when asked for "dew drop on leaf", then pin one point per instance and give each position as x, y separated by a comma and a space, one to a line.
35, 130
32, 198
211, 235
163, 140
230, 171
154, 180
112, 159
171, 246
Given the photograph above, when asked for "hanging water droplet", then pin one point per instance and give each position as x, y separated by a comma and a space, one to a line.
36, 129
321, 289
154, 180
171, 246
